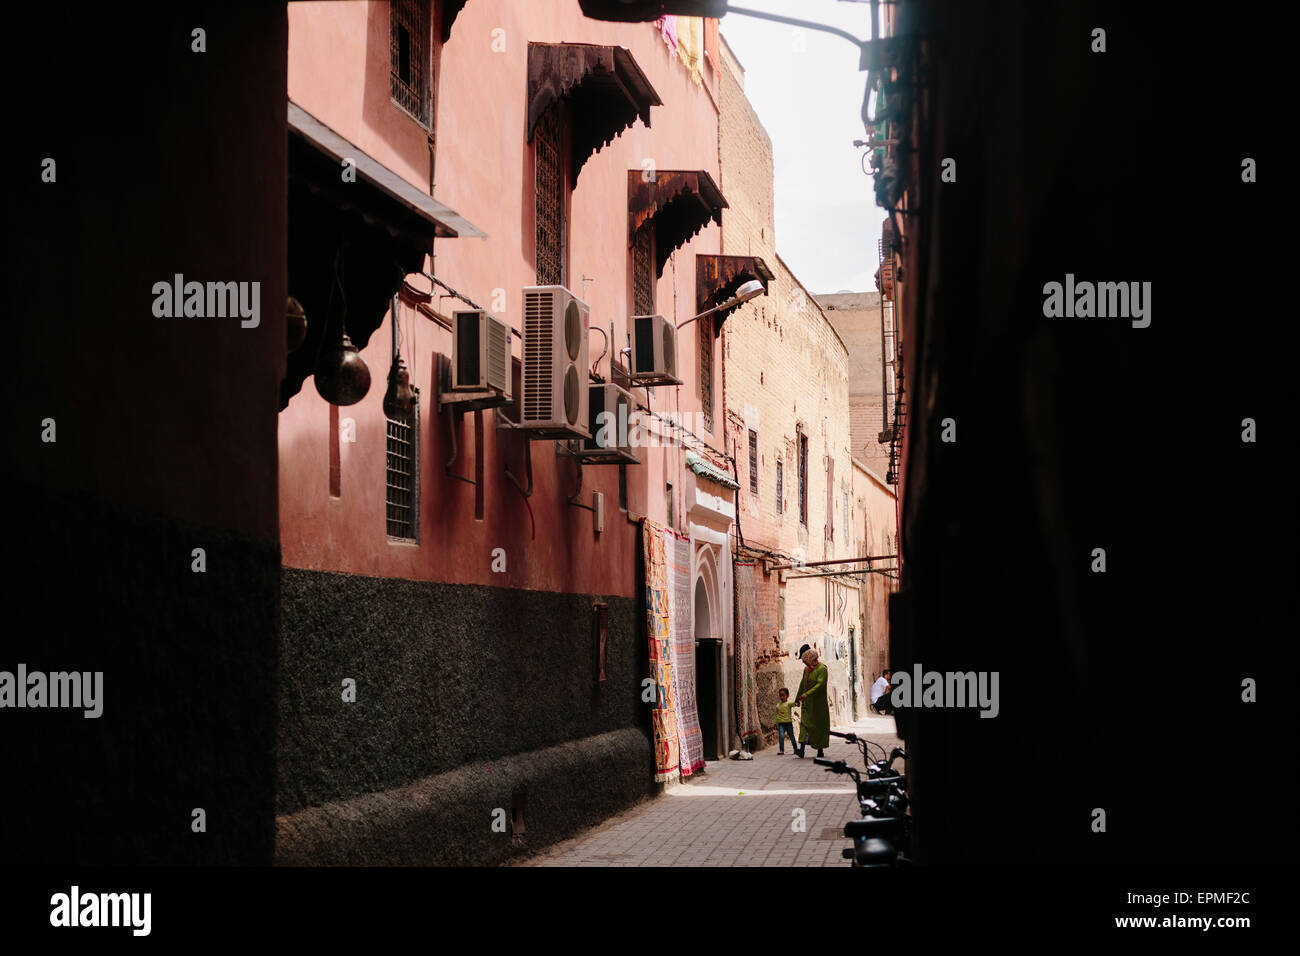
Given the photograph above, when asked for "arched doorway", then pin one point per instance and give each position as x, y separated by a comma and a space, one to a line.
708, 669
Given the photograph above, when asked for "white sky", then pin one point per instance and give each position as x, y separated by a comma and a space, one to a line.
807, 91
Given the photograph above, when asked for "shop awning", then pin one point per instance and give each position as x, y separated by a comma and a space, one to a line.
706, 469
379, 194
603, 85
680, 202
718, 277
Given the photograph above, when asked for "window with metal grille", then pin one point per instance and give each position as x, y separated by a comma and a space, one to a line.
830, 499
706, 370
803, 479
548, 141
409, 54
643, 284
753, 462
780, 487
403, 475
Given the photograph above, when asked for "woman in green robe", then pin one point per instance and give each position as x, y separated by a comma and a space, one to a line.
815, 715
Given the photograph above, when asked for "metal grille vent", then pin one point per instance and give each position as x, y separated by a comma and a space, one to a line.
537, 356
498, 361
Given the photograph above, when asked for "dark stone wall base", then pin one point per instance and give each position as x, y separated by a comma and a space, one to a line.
447, 819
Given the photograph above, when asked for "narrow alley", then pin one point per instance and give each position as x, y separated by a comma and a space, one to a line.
735, 813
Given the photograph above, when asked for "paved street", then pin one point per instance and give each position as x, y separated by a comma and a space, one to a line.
736, 813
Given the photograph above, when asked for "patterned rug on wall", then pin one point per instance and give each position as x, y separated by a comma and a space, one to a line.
663, 716
689, 739
746, 654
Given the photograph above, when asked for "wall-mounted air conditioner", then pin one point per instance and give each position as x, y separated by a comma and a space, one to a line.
654, 351
610, 411
480, 353
555, 363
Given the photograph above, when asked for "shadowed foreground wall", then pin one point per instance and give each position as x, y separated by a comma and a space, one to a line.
465, 695
166, 161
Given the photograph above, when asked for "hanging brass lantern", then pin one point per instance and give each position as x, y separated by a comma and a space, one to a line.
397, 400
342, 377
295, 329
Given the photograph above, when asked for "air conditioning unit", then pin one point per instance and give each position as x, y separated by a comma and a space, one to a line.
654, 351
609, 442
555, 363
480, 353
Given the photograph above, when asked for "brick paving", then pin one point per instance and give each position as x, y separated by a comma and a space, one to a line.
735, 813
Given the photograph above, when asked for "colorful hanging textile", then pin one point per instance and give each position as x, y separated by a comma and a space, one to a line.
690, 45
663, 716
690, 740
668, 31
746, 684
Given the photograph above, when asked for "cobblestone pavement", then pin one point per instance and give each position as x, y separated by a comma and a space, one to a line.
735, 813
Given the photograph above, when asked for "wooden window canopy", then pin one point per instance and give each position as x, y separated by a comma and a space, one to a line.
603, 85
718, 277
680, 203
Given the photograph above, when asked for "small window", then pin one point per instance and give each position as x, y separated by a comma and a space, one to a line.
643, 271
780, 487
803, 479
403, 474
668, 495
706, 370
552, 196
410, 63
753, 462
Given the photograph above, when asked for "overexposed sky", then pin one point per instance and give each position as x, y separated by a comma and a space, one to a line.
807, 91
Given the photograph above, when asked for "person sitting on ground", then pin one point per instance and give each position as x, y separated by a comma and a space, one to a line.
880, 694
815, 716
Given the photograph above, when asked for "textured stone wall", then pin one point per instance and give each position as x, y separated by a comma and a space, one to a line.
464, 692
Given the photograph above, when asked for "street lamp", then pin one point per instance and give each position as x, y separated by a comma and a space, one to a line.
746, 292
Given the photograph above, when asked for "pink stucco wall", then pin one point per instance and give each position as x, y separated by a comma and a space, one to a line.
339, 72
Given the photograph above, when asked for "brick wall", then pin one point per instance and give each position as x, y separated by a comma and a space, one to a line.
856, 317
786, 373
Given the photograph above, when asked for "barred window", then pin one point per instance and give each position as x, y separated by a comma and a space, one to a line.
706, 370
409, 54
830, 499
780, 487
548, 140
803, 479
643, 283
403, 475
753, 462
